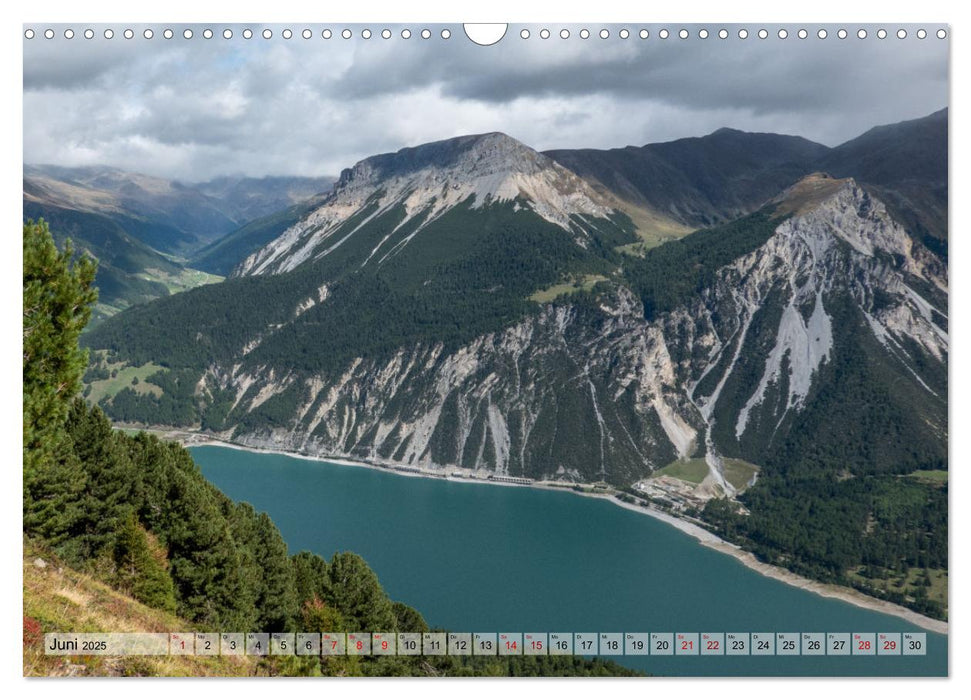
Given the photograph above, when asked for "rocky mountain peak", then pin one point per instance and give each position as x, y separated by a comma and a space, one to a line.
826, 208
477, 154
430, 179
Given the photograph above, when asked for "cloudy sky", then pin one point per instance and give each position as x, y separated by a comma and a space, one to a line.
194, 109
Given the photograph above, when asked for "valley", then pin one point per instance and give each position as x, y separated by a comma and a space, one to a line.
154, 237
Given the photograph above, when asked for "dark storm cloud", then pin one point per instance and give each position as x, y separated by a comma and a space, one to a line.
199, 108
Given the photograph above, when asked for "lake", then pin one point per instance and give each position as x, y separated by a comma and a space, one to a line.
478, 558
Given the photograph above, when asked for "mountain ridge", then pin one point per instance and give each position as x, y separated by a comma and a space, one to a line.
189, 214
906, 165
698, 181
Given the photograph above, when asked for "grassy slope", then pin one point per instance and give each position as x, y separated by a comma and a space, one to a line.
738, 472
584, 283
933, 476
61, 599
111, 386
691, 470
186, 278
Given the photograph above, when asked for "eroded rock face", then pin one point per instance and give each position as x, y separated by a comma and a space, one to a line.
582, 393
849, 245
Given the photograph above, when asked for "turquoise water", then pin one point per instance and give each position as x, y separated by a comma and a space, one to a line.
475, 558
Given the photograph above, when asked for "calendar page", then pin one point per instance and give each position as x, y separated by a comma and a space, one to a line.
543, 350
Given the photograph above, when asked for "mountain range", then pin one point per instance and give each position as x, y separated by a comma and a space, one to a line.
747, 328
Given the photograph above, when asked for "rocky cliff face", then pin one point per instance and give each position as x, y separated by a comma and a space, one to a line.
571, 392
596, 392
776, 316
427, 181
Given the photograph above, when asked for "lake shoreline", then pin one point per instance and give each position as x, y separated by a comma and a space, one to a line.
702, 535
